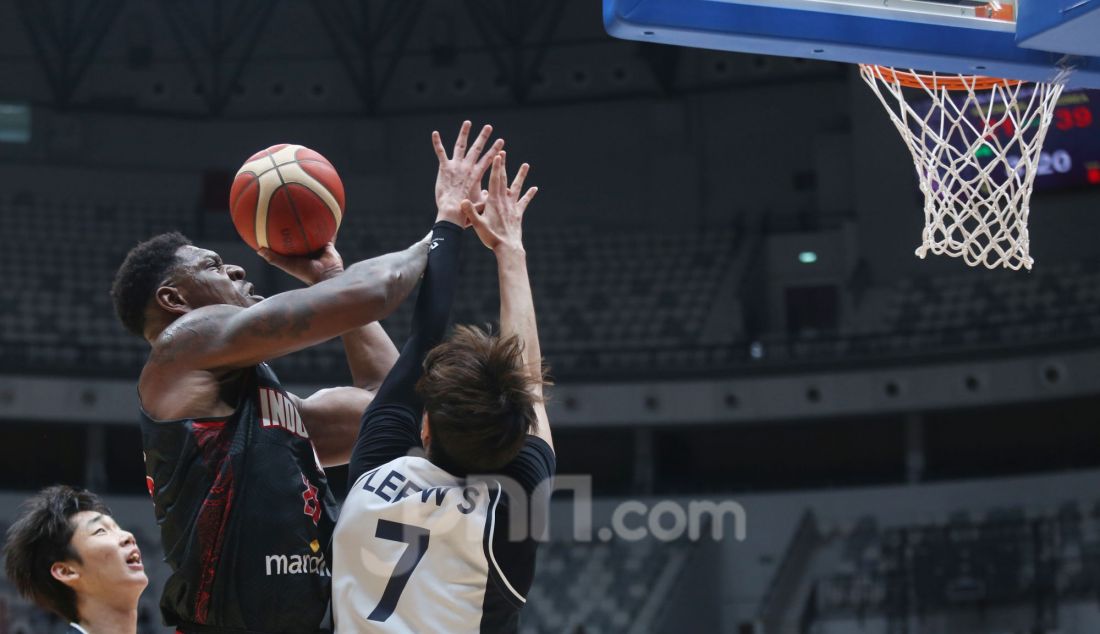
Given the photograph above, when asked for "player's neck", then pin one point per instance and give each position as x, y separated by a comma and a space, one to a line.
97, 617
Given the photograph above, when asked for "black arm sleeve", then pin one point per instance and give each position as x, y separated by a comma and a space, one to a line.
391, 423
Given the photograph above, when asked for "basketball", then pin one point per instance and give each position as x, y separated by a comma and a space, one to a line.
287, 198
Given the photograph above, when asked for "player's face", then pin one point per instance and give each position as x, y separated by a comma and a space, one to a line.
110, 567
204, 280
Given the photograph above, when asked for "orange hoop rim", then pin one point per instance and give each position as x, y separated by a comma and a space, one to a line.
911, 79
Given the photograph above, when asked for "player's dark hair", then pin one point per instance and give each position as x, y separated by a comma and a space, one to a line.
478, 398
145, 266
43, 536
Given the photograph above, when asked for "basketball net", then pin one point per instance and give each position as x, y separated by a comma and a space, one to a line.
976, 144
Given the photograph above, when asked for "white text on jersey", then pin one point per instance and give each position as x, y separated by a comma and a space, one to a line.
276, 410
395, 487
296, 565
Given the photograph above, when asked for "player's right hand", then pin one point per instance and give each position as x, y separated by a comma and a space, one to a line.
310, 269
500, 224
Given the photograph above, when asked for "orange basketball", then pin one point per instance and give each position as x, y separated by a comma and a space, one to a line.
287, 198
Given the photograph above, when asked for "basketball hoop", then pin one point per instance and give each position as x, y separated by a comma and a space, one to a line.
976, 145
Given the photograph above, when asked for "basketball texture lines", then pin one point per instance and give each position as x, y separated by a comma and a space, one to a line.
287, 198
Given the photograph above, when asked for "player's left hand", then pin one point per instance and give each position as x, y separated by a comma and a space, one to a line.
310, 269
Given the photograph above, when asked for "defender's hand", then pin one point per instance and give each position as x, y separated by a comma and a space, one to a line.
459, 176
500, 224
326, 265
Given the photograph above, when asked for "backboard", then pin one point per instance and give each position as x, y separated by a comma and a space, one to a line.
1018, 39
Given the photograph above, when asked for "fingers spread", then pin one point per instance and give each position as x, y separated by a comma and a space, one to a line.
521, 175
437, 145
460, 142
479, 142
499, 176
526, 200
483, 163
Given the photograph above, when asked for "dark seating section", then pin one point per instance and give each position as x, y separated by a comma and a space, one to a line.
604, 587
55, 308
612, 303
1004, 557
605, 300
981, 308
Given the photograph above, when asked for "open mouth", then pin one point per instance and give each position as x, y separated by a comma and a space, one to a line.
133, 560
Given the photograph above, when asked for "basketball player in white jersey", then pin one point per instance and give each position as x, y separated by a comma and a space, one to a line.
425, 544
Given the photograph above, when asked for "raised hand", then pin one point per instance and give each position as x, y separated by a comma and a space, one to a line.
459, 176
500, 224
307, 269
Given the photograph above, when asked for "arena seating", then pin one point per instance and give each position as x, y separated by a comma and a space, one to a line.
1005, 557
979, 307
60, 263
604, 300
619, 304
601, 587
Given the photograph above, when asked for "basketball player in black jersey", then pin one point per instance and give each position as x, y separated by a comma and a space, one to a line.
66, 553
425, 544
233, 461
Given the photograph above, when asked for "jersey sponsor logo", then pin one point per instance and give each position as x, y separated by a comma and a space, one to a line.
277, 410
312, 507
276, 565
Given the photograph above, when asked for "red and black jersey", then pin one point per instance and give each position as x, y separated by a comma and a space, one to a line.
245, 514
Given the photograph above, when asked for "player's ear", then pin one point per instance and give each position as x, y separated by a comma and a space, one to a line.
425, 431
64, 572
170, 299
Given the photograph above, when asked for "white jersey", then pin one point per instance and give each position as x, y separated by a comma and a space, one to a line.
412, 552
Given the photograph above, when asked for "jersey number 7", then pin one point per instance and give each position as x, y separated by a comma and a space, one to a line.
417, 539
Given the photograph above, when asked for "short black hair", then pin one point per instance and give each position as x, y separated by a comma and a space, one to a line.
145, 266
479, 400
43, 536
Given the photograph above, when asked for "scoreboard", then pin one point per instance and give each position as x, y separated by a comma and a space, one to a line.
1070, 155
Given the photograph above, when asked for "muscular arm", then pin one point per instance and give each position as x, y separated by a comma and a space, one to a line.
226, 337
371, 354
332, 415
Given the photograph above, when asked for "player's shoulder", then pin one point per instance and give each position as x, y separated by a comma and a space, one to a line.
193, 325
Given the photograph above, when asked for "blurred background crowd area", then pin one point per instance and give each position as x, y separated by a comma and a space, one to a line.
722, 259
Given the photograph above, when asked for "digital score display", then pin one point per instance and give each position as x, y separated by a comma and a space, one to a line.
1070, 155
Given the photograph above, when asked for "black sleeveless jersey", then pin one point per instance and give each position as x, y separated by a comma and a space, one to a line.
245, 514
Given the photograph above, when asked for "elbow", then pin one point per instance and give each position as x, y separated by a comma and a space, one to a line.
395, 288
391, 287
386, 281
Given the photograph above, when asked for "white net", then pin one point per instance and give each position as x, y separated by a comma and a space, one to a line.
976, 145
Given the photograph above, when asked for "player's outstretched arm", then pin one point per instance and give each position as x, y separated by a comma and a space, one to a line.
500, 227
390, 425
225, 337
